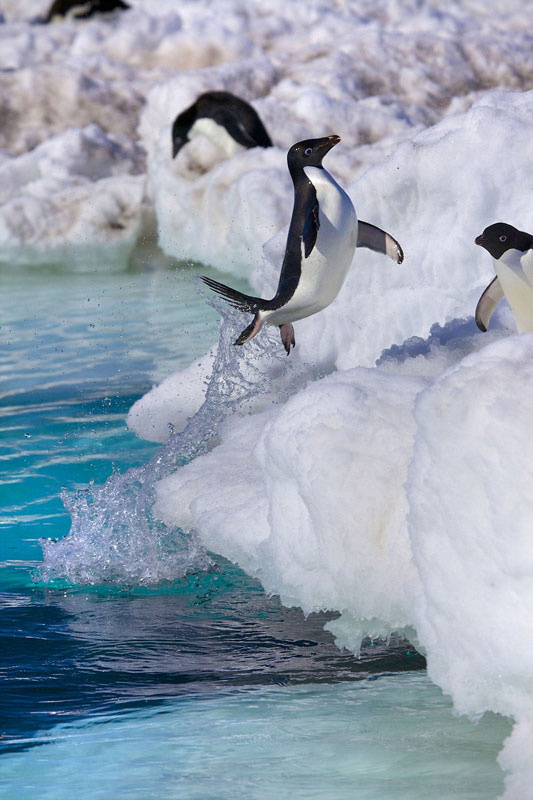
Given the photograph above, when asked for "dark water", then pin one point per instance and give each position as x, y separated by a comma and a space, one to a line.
65, 657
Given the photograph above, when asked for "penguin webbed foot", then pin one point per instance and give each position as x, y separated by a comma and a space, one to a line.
287, 336
249, 332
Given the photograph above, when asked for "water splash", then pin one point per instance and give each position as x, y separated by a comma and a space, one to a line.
114, 537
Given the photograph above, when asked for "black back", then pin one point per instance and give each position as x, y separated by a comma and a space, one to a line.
61, 7
501, 237
235, 115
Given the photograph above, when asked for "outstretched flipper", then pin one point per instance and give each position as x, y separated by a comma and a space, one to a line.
287, 336
487, 303
379, 241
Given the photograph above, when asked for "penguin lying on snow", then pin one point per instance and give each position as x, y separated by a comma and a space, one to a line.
228, 121
512, 254
323, 235
83, 8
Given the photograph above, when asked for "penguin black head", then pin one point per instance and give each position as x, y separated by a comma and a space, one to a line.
501, 237
310, 152
181, 127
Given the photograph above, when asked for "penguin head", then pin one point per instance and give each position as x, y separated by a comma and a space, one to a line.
501, 237
310, 152
181, 127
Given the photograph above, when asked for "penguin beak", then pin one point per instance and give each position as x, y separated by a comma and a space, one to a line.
327, 143
480, 240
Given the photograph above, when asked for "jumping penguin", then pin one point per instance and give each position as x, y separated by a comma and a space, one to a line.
228, 121
512, 255
323, 235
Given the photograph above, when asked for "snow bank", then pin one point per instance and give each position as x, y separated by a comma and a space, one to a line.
398, 496
375, 73
310, 495
302, 496
339, 74
395, 489
74, 198
168, 406
470, 523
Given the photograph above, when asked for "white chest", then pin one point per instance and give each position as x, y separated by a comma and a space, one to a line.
337, 235
325, 269
216, 134
515, 271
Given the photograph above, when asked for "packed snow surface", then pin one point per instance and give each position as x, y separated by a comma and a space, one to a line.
384, 469
376, 73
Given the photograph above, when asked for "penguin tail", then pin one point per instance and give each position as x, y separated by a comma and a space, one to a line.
244, 302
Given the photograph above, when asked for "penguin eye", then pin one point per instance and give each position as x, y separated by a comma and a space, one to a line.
503, 238
308, 151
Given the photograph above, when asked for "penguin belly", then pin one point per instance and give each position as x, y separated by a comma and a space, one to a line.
515, 272
325, 269
217, 134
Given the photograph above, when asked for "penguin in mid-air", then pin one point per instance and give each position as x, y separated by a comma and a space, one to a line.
228, 121
83, 9
323, 235
512, 254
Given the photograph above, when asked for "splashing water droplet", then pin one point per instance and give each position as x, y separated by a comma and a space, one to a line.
114, 537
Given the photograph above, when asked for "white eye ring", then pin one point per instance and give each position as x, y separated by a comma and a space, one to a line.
503, 238
308, 151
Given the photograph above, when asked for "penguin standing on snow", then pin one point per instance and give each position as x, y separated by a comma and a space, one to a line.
83, 9
228, 121
323, 235
512, 255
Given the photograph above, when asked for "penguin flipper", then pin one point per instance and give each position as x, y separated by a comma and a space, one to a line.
379, 241
310, 229
487, 304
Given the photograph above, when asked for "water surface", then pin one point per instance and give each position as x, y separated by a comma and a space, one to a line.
197, 687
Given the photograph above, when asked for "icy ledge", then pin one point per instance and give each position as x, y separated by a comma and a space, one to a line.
469, 495
396, 490
398, 500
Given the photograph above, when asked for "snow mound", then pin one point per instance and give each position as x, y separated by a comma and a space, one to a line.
73, 198
374, 73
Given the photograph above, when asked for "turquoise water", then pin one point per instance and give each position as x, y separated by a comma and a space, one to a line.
201, 686
76, 352
390, 737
